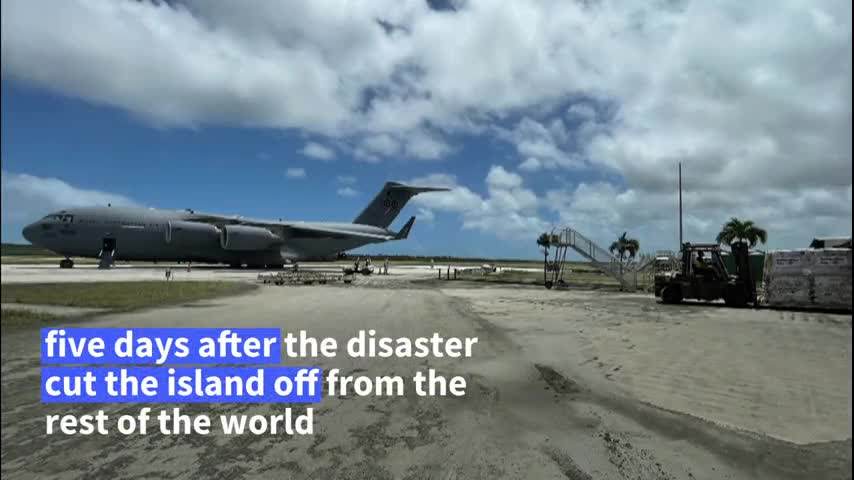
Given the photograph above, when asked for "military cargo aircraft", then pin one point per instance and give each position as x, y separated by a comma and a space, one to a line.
146, 234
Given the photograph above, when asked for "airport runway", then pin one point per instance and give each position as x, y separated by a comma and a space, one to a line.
122, 273
570, 384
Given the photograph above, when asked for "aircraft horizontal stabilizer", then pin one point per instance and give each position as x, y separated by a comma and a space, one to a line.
404, 232
415, 190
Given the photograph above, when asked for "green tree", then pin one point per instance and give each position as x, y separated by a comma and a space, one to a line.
545, 241
736, 230
625, 247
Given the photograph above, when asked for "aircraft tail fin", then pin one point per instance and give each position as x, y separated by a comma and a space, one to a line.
404, 232
385, 207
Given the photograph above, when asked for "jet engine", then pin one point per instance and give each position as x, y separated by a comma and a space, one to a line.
191, 234
242, 238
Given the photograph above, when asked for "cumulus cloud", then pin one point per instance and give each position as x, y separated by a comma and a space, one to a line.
318, 151
295, 172
347, 192
424, 146
547, 146
603, 210
618, 90
426, 215
371, 148
508, 210
27, 198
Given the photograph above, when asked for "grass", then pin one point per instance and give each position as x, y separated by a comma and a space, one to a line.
119, 295
41, 260
17, 319
14, 249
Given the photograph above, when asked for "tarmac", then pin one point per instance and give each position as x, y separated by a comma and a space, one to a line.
24, 273
576, 384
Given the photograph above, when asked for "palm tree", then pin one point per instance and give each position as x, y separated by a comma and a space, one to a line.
545, 241
735, 231
627, 248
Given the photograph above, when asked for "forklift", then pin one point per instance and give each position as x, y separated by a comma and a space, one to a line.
703, 276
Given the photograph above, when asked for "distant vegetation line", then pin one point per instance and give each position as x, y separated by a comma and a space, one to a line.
24, 249
439, 258
18, 249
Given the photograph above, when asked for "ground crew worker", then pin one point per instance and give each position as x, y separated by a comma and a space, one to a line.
700, 264
385, 266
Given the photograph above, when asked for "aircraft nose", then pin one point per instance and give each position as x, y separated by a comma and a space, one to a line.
29, 232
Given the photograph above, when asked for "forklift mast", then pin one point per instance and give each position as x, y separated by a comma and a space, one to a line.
743, 271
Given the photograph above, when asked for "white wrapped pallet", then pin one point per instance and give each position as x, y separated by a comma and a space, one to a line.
831, 261
786, 262
833, 292
788, 290
808, 278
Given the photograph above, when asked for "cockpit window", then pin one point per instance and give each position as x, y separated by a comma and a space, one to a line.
59, 217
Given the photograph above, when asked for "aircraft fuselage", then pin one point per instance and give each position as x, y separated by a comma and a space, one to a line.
142, 234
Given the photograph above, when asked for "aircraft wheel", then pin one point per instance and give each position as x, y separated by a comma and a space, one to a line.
549, 284
66, 263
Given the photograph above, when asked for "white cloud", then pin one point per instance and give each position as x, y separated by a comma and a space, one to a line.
581, 111
509, 210
531, 164
295, 172
602, 211
426, 215
346, 179
318, 151
500, 178
26, 198
371, 148
622, 89
546, 146
347, 192
426, 147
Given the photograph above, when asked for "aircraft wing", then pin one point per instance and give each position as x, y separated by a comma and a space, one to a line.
335, 231
322, 230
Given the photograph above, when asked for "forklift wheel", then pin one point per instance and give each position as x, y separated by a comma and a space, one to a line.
671, 295
736, 299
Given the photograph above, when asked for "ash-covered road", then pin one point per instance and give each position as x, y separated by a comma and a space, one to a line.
537, 406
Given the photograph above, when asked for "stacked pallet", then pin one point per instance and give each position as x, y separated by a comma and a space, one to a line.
808, 278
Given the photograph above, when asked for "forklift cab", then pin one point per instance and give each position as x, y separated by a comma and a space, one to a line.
705, 271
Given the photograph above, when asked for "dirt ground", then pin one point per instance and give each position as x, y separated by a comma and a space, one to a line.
565, 385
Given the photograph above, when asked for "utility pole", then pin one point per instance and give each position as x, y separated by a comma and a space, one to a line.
680, 207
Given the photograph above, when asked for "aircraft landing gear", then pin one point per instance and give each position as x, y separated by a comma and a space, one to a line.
66, 263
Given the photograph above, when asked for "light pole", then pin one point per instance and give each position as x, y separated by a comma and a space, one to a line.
680, 207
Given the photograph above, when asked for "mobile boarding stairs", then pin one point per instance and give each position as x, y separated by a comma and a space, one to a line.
566, 239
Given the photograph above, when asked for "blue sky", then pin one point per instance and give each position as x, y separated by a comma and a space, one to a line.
536, 114
225, 169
